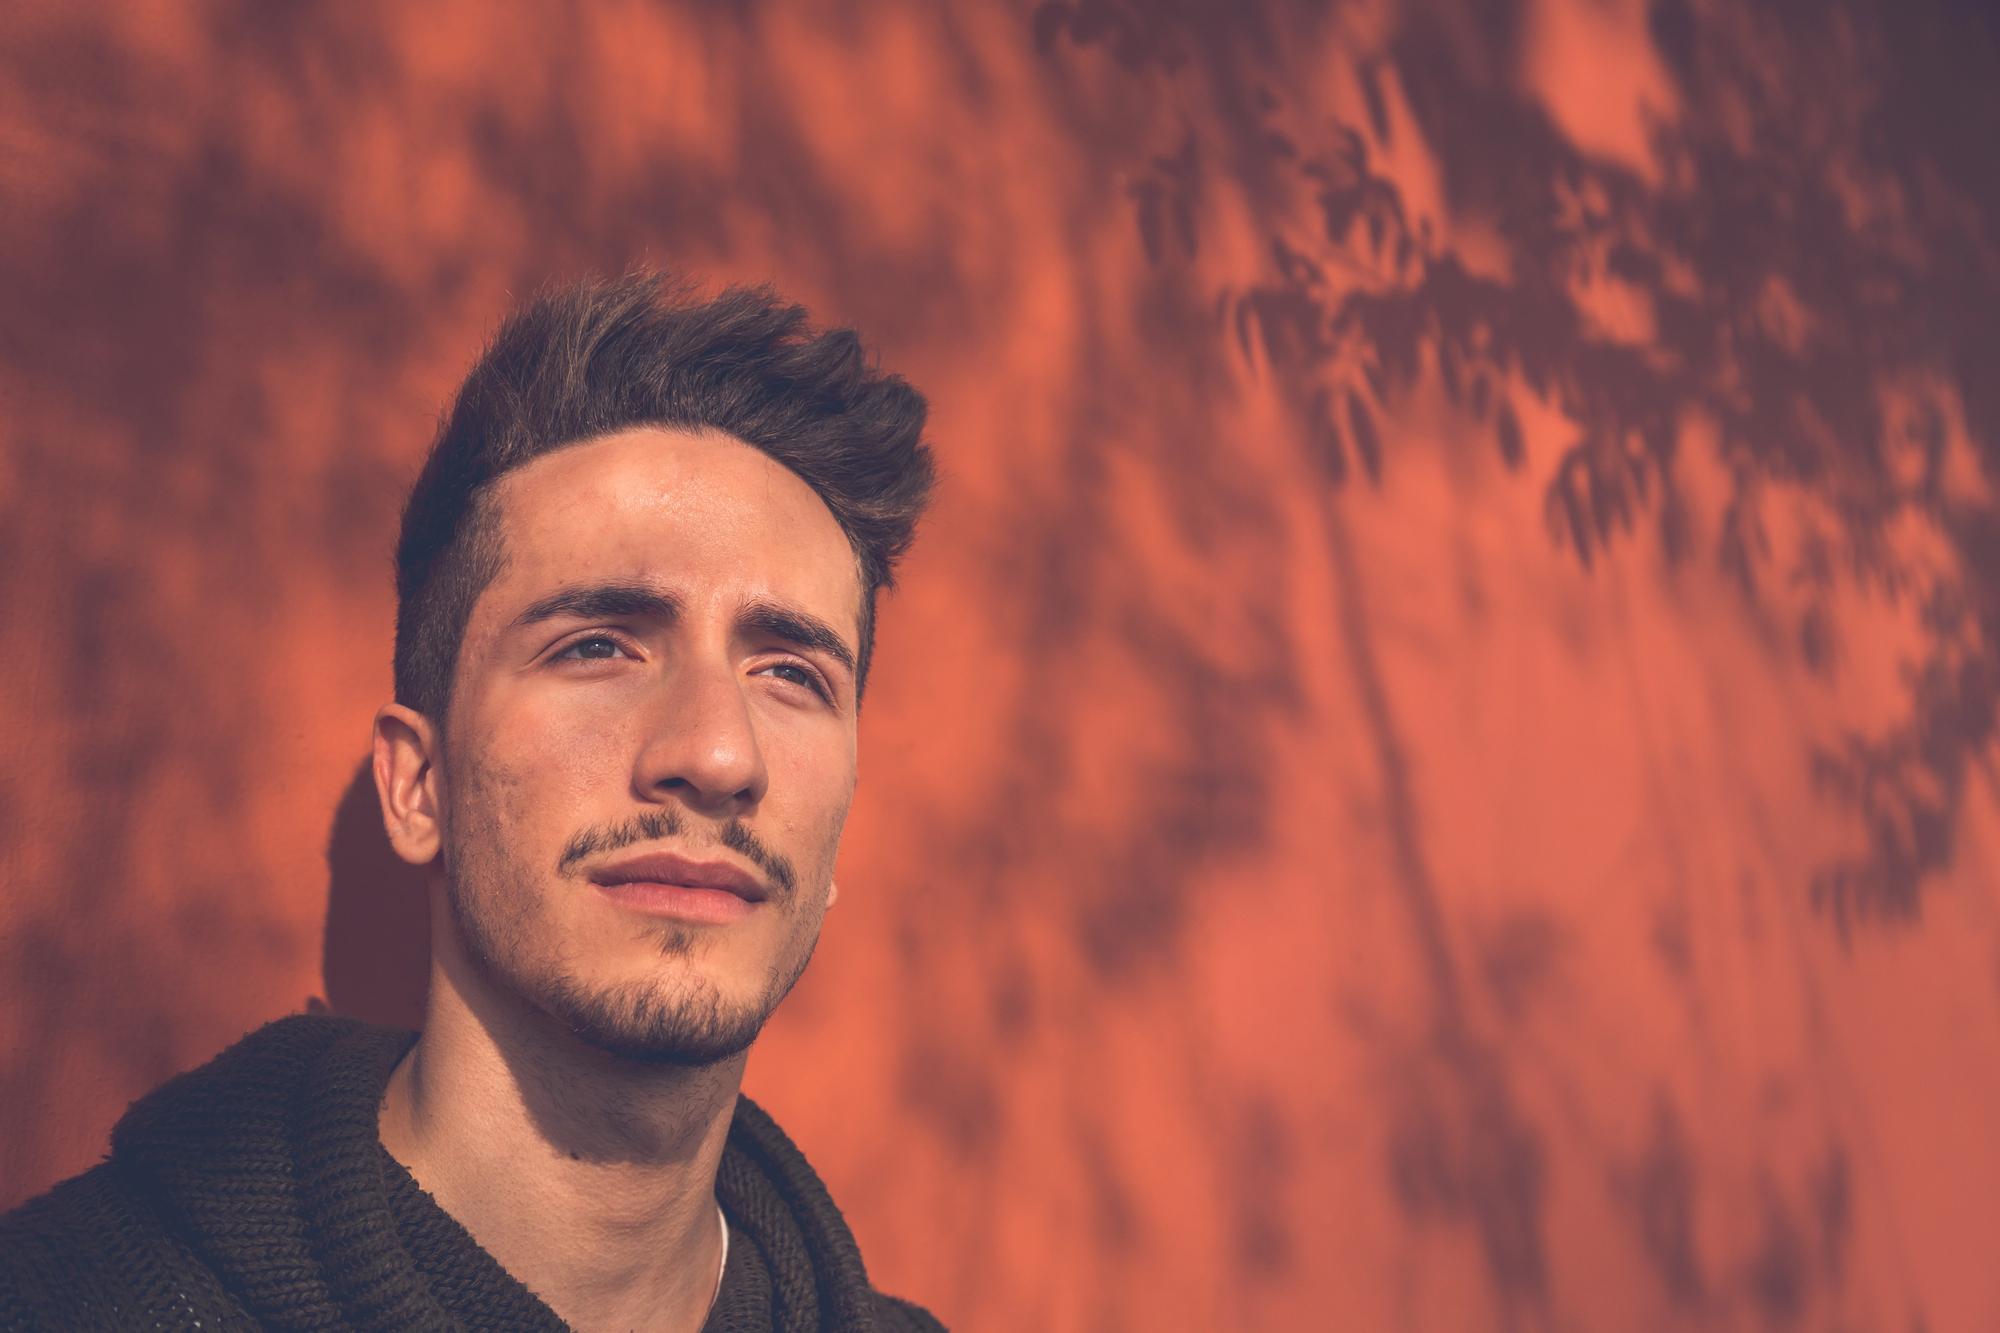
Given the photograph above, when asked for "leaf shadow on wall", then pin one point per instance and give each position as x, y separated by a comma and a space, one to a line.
1807, 300
378, 935
1810, 295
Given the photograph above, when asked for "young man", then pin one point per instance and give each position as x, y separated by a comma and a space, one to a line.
637, 582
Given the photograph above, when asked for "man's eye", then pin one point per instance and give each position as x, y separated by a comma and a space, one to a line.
791, 671
584, 649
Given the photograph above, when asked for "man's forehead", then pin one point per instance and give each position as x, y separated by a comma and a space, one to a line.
663, 467
694, 515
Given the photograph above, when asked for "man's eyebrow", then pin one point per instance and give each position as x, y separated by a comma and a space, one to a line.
601, 601
798, 628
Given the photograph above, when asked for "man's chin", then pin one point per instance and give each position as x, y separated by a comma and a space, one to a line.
675, 1050
693, 1029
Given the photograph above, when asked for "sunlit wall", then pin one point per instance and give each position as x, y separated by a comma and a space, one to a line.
1434, 769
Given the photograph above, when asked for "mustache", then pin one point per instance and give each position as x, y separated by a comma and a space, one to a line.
659, 825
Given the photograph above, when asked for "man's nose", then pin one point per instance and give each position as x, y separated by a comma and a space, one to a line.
701, 743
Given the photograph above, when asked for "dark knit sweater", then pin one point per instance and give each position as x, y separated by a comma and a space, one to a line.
254, 1193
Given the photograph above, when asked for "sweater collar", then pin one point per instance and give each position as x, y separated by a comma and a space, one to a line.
264, 1161
768, 1189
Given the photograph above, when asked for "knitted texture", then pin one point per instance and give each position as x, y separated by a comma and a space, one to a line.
468, 1282
252, 1194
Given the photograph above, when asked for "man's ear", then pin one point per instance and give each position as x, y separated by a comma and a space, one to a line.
409, 783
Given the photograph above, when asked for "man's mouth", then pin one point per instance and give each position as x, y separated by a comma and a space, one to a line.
664, 884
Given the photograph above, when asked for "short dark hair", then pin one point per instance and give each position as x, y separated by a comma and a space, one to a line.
592, 358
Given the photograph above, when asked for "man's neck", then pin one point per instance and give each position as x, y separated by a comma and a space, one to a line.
588, 1177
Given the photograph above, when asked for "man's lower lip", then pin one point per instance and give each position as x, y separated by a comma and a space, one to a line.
716, 906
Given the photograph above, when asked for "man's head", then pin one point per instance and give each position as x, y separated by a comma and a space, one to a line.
637, 581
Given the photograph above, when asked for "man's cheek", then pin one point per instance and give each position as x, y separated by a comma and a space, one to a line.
500, 794
576, 750
547, 745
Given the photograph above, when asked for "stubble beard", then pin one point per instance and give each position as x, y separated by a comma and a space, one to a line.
680, 1018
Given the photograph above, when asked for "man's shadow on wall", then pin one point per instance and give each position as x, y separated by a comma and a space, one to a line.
378, 933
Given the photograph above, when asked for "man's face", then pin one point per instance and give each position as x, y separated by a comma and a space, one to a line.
651, 743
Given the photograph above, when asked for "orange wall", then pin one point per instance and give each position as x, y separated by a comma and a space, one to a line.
1434, 769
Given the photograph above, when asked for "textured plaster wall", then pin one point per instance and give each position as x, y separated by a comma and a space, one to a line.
1434, 768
